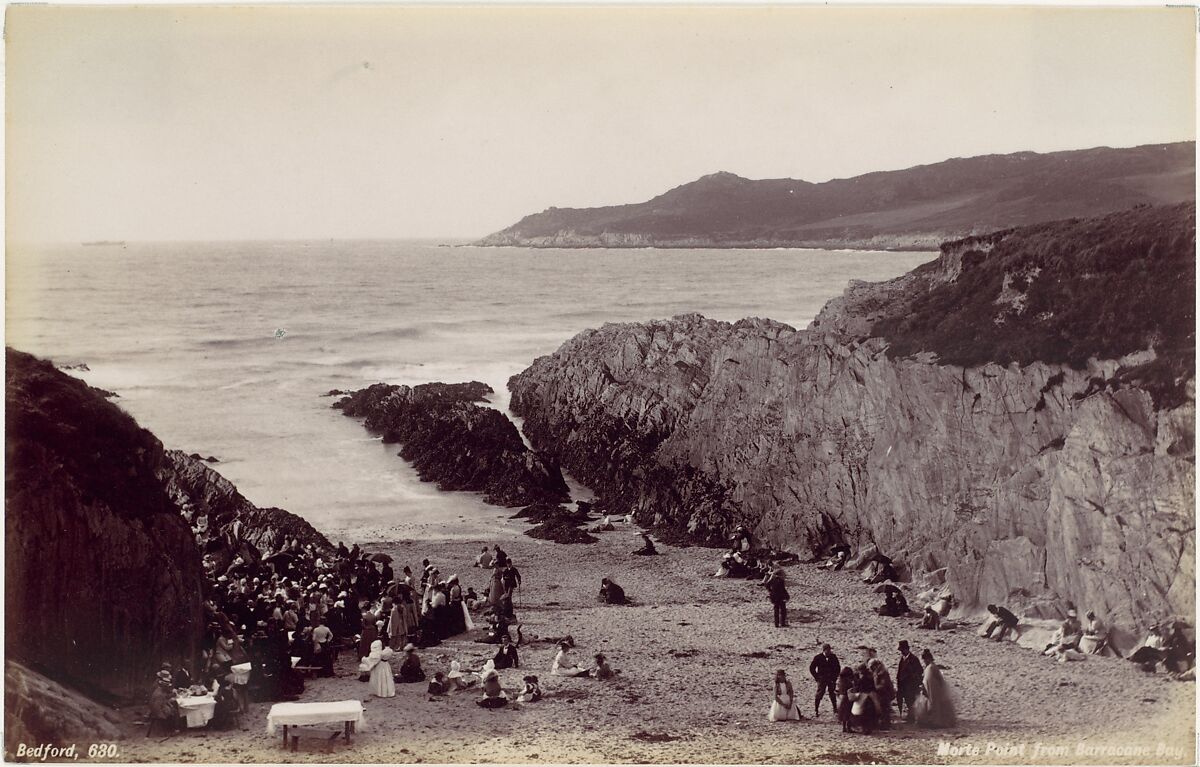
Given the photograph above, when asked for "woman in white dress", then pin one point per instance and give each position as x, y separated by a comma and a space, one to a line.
376, 664
783, 705
564, 663
936, 706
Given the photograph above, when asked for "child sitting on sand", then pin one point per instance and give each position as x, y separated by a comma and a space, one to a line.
438, 685
531, 692
602, 670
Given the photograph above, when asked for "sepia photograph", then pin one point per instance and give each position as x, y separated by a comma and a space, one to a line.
600, 384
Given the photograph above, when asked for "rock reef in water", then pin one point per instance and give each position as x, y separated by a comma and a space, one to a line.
1029, 470
456, 443
197, 490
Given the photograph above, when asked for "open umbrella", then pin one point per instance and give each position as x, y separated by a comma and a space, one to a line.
885, 588
280, 558
384, 558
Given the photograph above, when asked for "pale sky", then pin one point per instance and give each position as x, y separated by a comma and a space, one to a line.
374, 122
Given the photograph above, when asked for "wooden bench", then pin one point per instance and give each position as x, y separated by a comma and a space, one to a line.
306, 671
324, 735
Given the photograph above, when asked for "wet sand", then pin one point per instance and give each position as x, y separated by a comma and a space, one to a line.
696, 656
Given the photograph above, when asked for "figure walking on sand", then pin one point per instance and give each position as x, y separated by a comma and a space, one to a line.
778, 593
783, 705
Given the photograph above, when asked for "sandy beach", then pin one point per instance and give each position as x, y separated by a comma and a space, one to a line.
696, 656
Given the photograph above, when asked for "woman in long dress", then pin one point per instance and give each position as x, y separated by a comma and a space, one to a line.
376, 664
936, 707
783, 705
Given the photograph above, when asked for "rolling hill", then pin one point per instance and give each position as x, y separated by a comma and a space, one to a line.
916, 208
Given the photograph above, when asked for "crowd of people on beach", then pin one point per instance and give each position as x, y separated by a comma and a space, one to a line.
274, 619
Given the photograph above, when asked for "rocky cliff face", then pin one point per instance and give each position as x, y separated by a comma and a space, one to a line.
197, 490
456, 443
102, 575
1029, 481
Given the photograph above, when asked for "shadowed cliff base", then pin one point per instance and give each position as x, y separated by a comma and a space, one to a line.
1032, 481
104, 537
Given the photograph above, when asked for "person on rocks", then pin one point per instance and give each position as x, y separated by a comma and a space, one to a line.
647, 548
506, 656
909, 676
410, 667
611, 593
783, 702
838, 556
1001, 623
825, 668
379, 671
564, 662
935, 708
778, 594
470, 599
484, 560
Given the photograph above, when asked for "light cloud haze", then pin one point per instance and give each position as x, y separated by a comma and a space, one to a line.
162, 123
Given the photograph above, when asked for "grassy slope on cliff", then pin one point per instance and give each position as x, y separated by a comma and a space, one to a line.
1064, 292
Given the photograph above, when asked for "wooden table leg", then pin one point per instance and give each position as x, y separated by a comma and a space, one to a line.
347, 731
285, 736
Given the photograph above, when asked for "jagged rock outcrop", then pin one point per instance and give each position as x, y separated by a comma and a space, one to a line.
39, 710
1038, 478
198, 491
102, 575
456, 443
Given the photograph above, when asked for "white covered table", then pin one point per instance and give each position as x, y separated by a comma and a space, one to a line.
348, 712
196, 709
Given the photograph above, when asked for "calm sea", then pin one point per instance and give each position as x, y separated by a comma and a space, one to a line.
226, 348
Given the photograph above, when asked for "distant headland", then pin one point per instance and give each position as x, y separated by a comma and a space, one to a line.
913, 209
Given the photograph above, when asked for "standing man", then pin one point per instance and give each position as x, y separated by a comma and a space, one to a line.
825, 668
778, 593
908, 681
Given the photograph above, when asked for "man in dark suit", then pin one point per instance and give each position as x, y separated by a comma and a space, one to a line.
825, 668
908, 681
